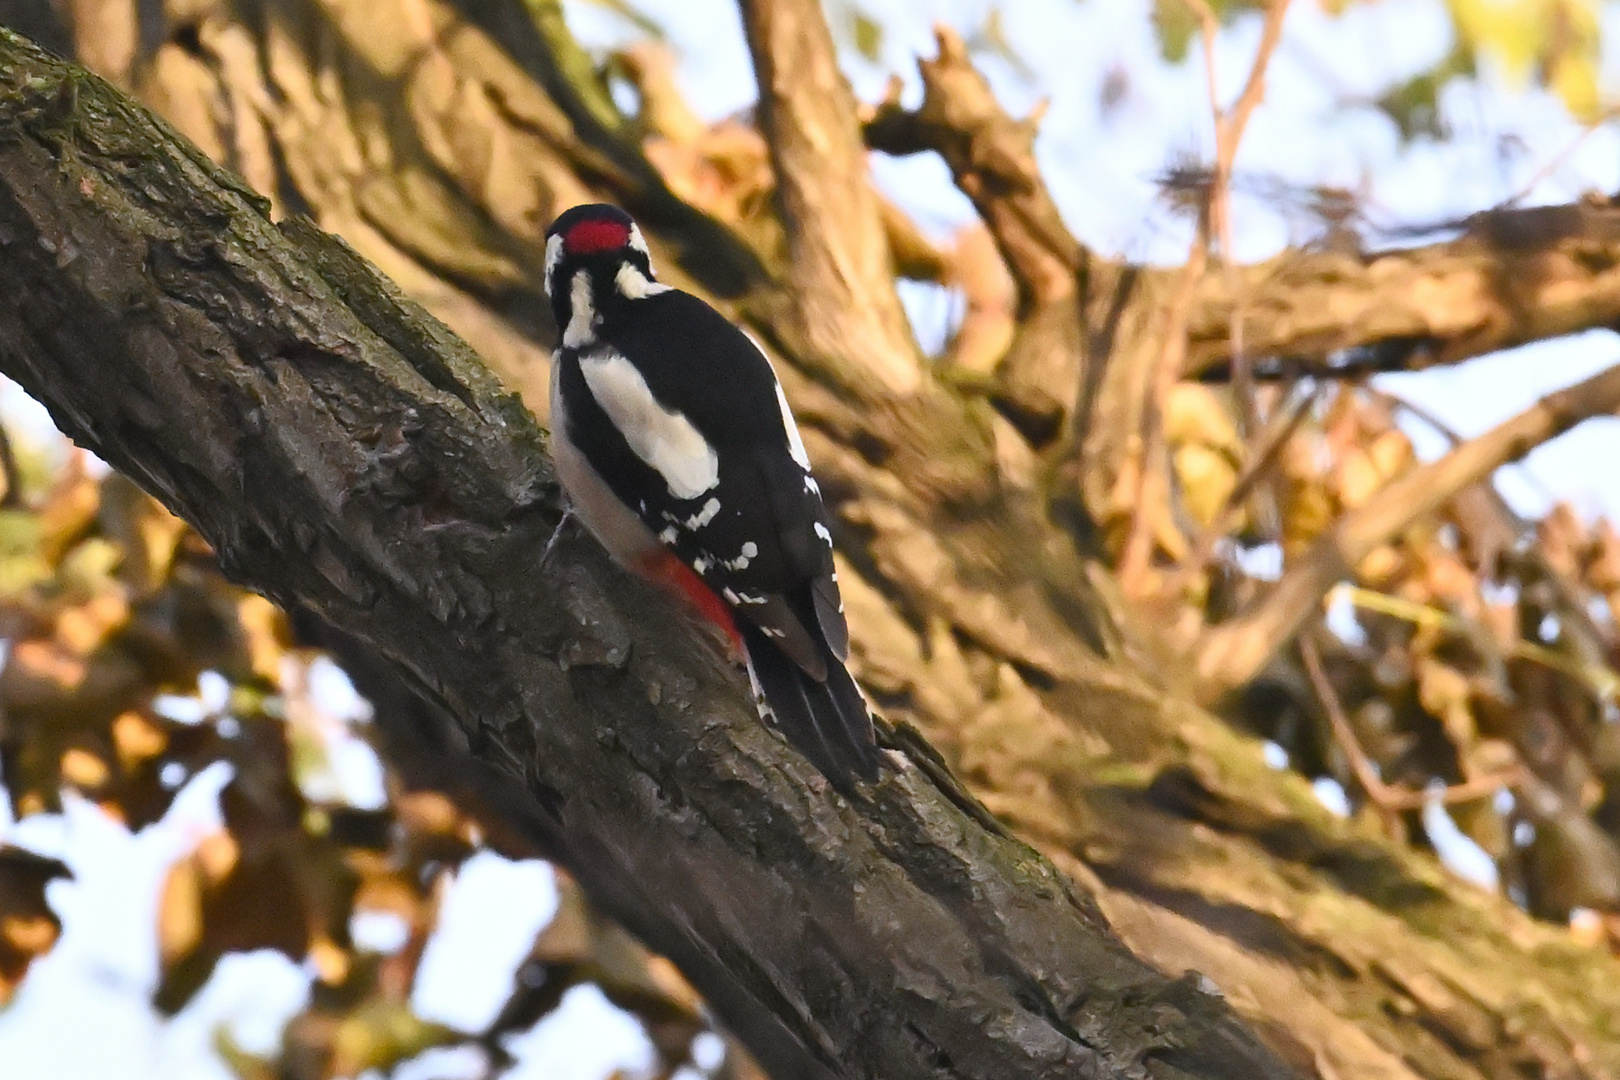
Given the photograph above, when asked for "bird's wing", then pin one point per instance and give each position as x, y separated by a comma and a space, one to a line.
759, 533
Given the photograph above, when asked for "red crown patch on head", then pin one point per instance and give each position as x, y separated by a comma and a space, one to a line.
592, 236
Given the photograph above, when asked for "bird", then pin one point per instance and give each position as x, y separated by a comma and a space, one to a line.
674, 444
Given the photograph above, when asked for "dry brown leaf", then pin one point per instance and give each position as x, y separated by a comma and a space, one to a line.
83, 769
1562, 539
84, 628
28, 926
1381, 565
137, 738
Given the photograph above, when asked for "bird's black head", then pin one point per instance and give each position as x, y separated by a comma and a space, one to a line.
604, 244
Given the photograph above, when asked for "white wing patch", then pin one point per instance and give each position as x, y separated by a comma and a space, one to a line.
663, 438
791, 426
581, 326
795, 443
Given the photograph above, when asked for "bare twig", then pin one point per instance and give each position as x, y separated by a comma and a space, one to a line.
1150, 513
1390, 799
992, 160
1215, 225
1344, 735
1556, 162
1600, 679
1230, 125
843, 282
1233, 652
1593, 639
1230, 122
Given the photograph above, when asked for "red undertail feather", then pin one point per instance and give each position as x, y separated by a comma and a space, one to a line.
669, 571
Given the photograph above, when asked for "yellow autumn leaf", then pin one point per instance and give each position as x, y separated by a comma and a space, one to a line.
1557, 42
1391, 454
1194, 414
1358, 478
1207, 479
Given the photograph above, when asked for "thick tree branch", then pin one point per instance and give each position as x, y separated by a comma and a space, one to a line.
992, 158
347, 455
1513, 276
839, 267
1234, 652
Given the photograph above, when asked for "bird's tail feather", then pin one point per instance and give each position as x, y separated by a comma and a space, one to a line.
827, 721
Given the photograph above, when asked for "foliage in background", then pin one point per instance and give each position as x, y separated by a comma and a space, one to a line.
132, 666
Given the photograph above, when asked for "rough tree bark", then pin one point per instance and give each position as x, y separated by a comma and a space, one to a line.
438, 139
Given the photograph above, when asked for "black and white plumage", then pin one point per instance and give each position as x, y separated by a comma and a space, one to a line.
676, 447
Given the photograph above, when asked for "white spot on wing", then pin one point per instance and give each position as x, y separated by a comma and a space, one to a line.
663, 438
669, 535
635, 285
750, 549
821, 531
582, 316
705, 515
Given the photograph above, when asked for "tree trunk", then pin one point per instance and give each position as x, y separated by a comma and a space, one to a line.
345, 455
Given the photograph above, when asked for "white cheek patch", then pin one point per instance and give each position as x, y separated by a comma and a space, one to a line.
581, 326
554, 252
664, 439
639, 242
634, 285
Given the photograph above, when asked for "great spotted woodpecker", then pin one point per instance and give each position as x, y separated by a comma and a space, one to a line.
676, 448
